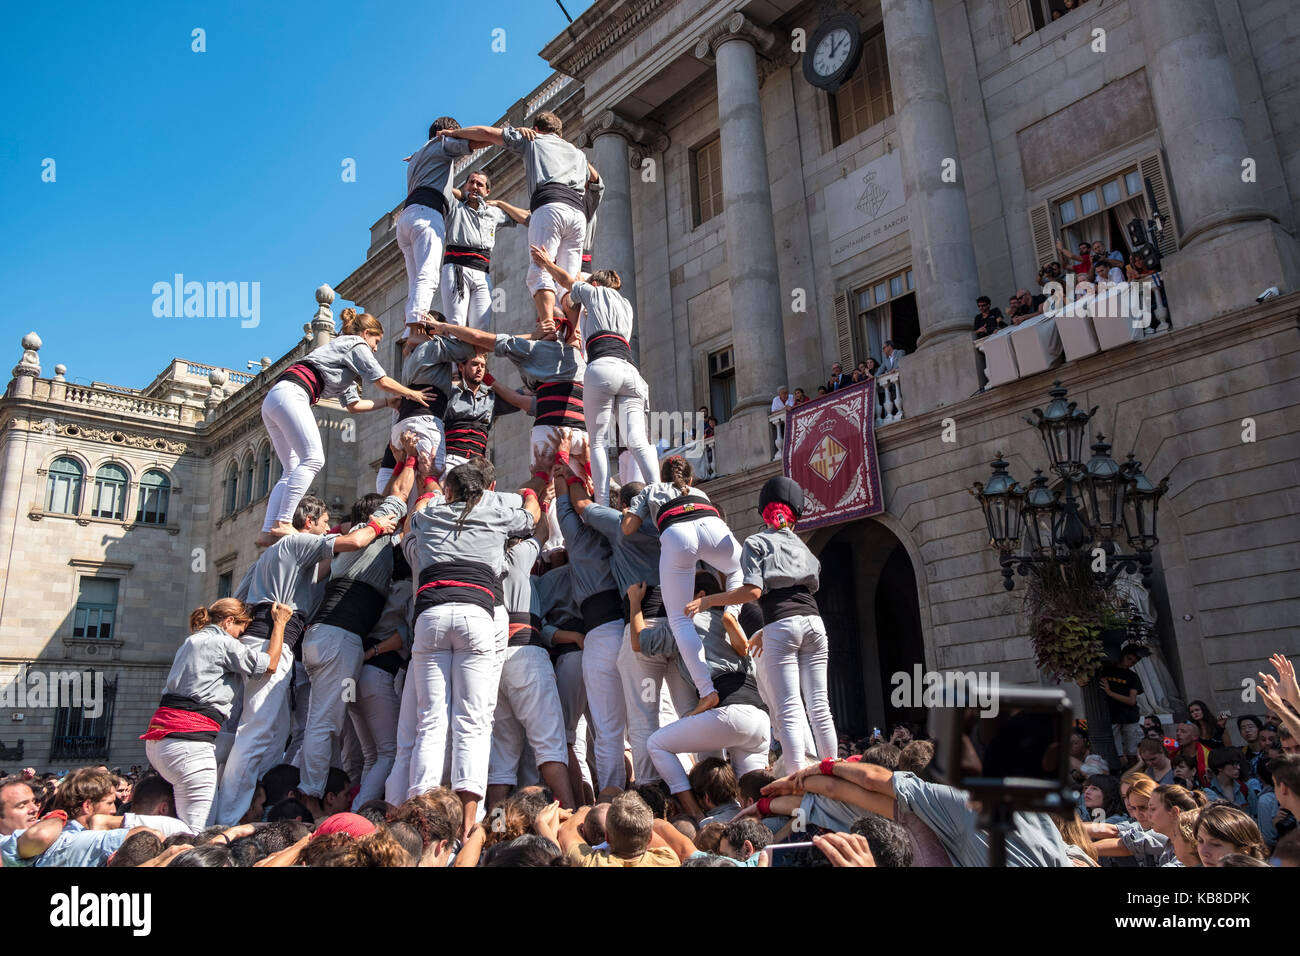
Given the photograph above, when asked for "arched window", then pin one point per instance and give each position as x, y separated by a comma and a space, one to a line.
264, 471
246, 491
155, 492
109, 498
232, 488
63, 487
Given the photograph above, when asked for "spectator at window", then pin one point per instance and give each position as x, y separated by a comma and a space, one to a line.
801, 397
1082, 262
783, 401
891, 356
1113, 259
838, 379
1105, 275
822, 390
872, 366
710, 424
988, 319
1027, 305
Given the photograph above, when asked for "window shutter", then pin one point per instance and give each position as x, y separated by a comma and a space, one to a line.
844, 328
1152, 167
1022, 21
1040, 227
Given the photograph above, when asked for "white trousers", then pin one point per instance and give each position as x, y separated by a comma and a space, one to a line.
612, 385
740, 729
454, 668
260, 739
528, 715
543, 437
654, 695
374, 718
333, 658
793, 665
190, 766
786, 763
291, 426
399, 778
573, 703
605, 701
680, 546
429, 437
420, 232
473, 307
558, 228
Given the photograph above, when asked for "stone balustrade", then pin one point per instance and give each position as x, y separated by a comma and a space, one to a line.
889, 399
119, 403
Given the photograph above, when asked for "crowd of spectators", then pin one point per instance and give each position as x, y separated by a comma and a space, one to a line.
1207, 791
865, 371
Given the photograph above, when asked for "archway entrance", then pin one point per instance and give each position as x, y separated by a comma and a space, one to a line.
868, 600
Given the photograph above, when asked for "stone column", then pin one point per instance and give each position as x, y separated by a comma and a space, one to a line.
619, 145
758, 334
1225, 227
943, 370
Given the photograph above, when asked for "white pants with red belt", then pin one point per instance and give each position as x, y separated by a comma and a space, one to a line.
291, 425
420, 232
471, 305
558, 228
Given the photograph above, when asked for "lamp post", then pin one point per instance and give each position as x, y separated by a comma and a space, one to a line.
1095, 505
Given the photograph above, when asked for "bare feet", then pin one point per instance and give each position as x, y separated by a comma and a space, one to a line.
278, 531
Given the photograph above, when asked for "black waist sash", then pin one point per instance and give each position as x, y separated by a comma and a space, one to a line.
458, 582
390, 661
466, 439
427, 196
684, 508
525, 630
735, 687
195, 706
603, 344
471, 257
560, 404
262, 625
307, 377
410, 408
652, 604
557, 192
793, 601
352, 605
567, 624
601, 608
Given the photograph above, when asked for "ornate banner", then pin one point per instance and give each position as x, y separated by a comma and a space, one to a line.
830, 450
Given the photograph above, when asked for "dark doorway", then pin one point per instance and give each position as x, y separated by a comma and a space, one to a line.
868, 599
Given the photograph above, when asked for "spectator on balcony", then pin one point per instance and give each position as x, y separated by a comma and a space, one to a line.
988, 319
1082, 262
783, 401
822, 390
838, 379
1027, 306
1105, 275
891, 356
1114, 258
872, 365
710, 425
800, 397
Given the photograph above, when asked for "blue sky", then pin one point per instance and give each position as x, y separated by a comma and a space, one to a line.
224, 165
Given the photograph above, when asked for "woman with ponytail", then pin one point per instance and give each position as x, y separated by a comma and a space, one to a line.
208, 669
331, 371
792, 649
691, 529
457, 535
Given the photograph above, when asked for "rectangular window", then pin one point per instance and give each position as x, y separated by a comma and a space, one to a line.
225, 585
96, 609
722, 384
1102, 211
706, 169
867, 98
886, 311
79, 736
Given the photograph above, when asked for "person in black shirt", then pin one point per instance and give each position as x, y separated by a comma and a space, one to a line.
1122, 686
988, 319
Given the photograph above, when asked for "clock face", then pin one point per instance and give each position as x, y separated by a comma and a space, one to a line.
832, 52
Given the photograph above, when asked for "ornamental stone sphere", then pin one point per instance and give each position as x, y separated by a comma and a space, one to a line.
325, 295
217, 378
32, 342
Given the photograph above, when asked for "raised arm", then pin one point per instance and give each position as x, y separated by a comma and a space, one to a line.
741, 595
631, 522
635, 593
361, 536
491, 135
520, 400
539, 256
280, 614
520, 216
482, 340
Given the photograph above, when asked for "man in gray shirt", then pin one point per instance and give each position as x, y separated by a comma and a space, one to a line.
472, 223
557, 173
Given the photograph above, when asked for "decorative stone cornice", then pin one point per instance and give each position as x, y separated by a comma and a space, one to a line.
782, 58
108, 436
643, 137
736, 26
574, 52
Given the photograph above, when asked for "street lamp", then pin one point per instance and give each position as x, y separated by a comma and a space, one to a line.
1002, 500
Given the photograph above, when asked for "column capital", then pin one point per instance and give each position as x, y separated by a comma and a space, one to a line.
735, 26
643, 138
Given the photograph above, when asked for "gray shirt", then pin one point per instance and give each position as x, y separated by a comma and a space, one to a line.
396, 615
636, 556
657, 641
606, 310
481, 407
1034, 841
772, 559
439, 534
284, 572
555, 597
542, 361
209, 666
372, 565
342, 363
475, 227
547, 159
430, 165
517, 582
430, 363
589, 553
654, 496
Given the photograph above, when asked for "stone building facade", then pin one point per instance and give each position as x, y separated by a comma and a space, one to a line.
765, 228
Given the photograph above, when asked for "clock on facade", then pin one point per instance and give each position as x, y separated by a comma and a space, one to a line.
833, 52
